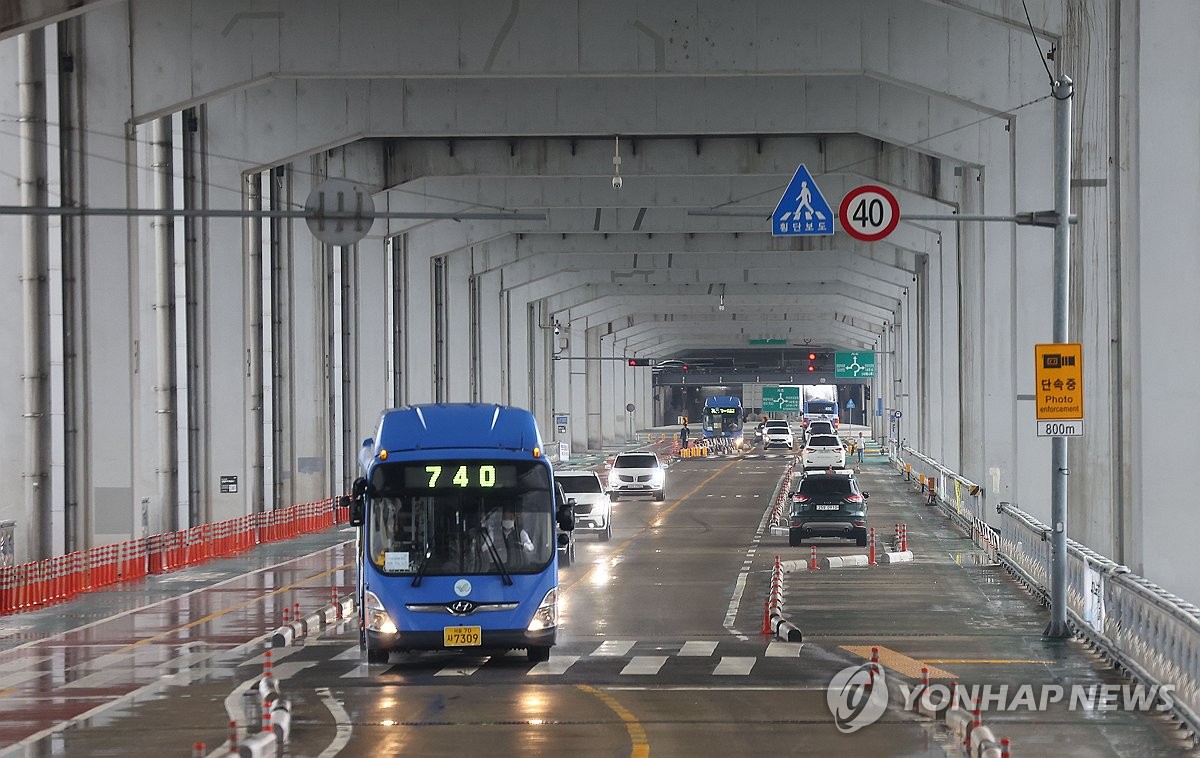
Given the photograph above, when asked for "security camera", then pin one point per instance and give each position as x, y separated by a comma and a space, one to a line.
617, 182
556, 329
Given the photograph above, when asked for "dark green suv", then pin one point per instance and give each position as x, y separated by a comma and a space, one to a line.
828, 505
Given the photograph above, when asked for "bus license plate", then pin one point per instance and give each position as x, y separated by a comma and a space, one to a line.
462, 636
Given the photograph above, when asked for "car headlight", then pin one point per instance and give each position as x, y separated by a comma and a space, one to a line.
658, 477
376, 615
546, 615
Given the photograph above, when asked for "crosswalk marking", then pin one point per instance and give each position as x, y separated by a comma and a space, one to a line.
644, 664
698, 647
288, 669
614, 648
734, 666
558, 664
16, 664
100, 678
784, 649
349, 654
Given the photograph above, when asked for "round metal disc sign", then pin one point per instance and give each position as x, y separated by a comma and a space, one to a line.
869, 213
339, 212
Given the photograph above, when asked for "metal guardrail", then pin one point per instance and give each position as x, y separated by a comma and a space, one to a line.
1148, 632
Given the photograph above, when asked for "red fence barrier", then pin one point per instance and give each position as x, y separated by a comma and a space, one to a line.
52, 580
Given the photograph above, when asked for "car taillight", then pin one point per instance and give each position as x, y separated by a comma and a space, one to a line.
799, 498
853, 498
810, 450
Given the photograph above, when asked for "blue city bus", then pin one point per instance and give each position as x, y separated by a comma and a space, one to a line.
723, 418
458, 525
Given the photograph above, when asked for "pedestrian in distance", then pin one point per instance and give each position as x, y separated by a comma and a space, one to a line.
683, 436
859, 447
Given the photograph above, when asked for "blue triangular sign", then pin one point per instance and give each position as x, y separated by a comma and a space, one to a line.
802, 210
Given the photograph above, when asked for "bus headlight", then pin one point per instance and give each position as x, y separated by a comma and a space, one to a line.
376, 615
546, 615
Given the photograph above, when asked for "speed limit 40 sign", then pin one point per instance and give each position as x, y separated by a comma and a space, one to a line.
869, 213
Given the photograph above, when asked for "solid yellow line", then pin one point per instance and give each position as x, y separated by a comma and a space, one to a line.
984, 660
637, 735
653, 523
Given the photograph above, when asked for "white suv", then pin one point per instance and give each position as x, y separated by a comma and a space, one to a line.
639, 473
823, 451
778, 434
593, 513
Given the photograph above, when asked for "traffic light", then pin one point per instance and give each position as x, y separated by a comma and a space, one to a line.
639, 361
811, 357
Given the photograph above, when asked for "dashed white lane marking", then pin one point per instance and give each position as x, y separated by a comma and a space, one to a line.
614, 647
698, 648
644, 665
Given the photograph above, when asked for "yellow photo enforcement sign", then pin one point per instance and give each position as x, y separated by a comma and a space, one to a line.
1059, 371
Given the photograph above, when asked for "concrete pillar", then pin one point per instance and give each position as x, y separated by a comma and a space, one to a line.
252, 241
163, 228
595, 420
577, 371
35, 311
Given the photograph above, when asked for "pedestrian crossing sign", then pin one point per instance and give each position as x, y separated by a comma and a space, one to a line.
802, 211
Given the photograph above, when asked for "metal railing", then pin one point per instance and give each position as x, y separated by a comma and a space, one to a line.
1148, 632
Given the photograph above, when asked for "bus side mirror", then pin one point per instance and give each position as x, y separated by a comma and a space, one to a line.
358, 501
566, 518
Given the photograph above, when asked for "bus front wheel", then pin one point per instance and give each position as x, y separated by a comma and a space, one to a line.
538, 654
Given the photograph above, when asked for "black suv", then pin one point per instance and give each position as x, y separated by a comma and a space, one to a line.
828, 505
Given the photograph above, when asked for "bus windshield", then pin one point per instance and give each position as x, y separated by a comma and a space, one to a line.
723, 420
437, 518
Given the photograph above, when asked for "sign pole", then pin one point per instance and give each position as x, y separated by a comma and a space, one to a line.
1063, 92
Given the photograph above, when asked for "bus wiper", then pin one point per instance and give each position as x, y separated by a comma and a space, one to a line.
487, 537
416, 582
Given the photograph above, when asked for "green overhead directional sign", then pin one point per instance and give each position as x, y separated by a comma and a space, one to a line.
780, 398
854, 365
